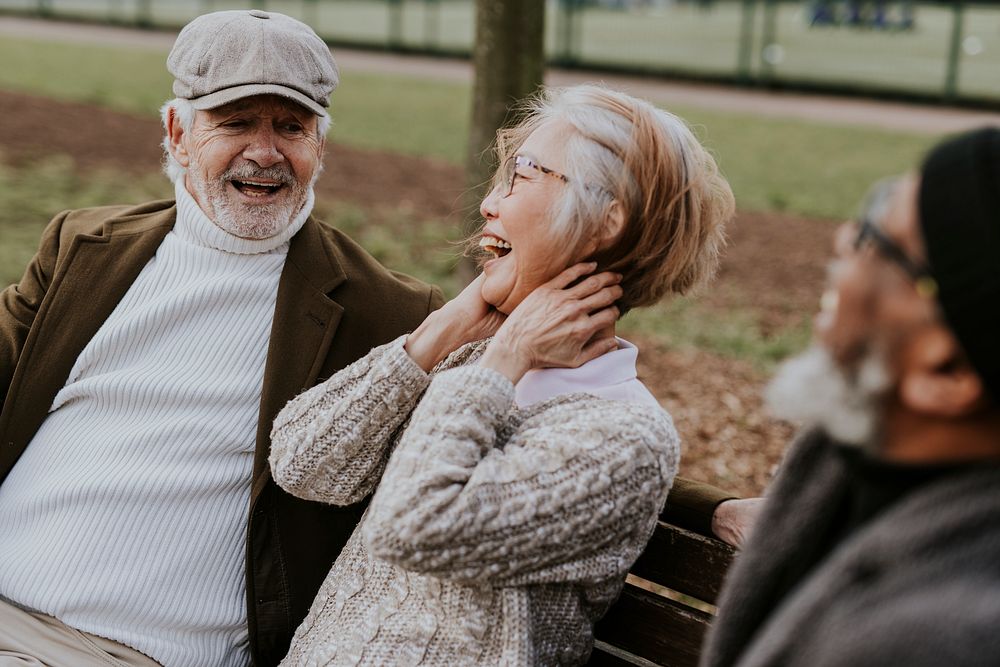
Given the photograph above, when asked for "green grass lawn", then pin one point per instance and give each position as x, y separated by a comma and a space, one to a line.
811, 169
736, 333
32, 194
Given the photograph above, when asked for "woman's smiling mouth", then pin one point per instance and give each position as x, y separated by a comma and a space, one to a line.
494, 245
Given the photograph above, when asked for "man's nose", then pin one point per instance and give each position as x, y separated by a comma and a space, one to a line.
263, 149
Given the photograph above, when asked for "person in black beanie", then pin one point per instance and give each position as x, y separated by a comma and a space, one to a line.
879, 541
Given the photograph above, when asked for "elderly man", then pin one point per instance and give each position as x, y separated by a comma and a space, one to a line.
143, 357
879, 543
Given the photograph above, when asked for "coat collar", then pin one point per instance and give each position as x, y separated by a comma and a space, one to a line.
157, 222
305, 321
316, 257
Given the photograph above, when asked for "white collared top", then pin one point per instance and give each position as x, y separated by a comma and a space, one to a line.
611, 375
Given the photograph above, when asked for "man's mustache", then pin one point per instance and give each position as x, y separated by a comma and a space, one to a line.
252, 172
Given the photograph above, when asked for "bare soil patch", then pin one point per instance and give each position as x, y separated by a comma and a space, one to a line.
774, 265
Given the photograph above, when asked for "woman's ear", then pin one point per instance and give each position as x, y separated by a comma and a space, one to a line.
175, 133
614, 224
937, 380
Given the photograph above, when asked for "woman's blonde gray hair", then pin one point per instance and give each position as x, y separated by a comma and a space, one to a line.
622, 151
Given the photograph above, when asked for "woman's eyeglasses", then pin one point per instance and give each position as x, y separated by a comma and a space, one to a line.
520, 163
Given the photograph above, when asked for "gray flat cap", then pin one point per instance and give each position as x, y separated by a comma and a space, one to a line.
225, 56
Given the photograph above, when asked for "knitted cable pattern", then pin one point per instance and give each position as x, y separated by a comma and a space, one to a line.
497, 536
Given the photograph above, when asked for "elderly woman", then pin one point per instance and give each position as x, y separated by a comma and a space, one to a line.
522, 464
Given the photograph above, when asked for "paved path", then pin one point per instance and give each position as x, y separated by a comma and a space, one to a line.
819, 108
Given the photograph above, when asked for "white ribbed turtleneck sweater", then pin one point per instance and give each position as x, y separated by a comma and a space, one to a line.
126, 515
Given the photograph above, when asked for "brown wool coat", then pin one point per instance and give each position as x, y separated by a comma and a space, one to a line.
335, 303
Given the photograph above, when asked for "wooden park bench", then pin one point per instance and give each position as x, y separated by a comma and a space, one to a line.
650, 626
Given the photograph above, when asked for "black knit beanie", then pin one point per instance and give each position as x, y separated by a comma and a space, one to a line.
960, 219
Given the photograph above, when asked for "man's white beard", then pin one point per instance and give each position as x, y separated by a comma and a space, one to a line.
812, 390
251, 221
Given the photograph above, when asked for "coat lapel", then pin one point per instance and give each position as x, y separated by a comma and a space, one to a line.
305, 321
99, 269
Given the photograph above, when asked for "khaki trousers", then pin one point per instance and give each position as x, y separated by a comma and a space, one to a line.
28, 639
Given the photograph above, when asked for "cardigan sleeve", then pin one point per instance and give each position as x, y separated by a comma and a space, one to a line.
572, 495
20, 302
332, 442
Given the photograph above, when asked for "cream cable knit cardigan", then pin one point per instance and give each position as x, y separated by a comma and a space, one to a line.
497, 536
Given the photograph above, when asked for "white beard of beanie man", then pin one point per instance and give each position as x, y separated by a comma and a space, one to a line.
960, 222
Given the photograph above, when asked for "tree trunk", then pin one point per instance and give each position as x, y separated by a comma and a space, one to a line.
509, 60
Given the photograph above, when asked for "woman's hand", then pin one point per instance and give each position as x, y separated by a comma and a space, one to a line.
464, 319
558, 325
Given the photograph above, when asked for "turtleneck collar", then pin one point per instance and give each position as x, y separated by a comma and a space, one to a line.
196, 228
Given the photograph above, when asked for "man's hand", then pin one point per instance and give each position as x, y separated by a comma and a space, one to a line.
733, 520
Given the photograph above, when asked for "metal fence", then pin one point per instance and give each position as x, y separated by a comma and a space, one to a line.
919, 49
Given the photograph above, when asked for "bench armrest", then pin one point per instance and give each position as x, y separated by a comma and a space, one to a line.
691, 504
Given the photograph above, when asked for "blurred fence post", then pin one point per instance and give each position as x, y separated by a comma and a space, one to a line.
432, 24
769, 47
115, 11
395, 36
310, 12
566, 26
954, 50
144, 13
745, 53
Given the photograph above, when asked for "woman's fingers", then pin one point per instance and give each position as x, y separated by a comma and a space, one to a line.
574, 272
593, 284
586, 287
585, 332
604, 317
601, 299
596, 348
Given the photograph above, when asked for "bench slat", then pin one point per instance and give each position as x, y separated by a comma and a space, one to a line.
605, 655
685, 562
654, 627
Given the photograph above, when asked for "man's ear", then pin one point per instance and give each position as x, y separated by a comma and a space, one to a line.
937, 380
175, 134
